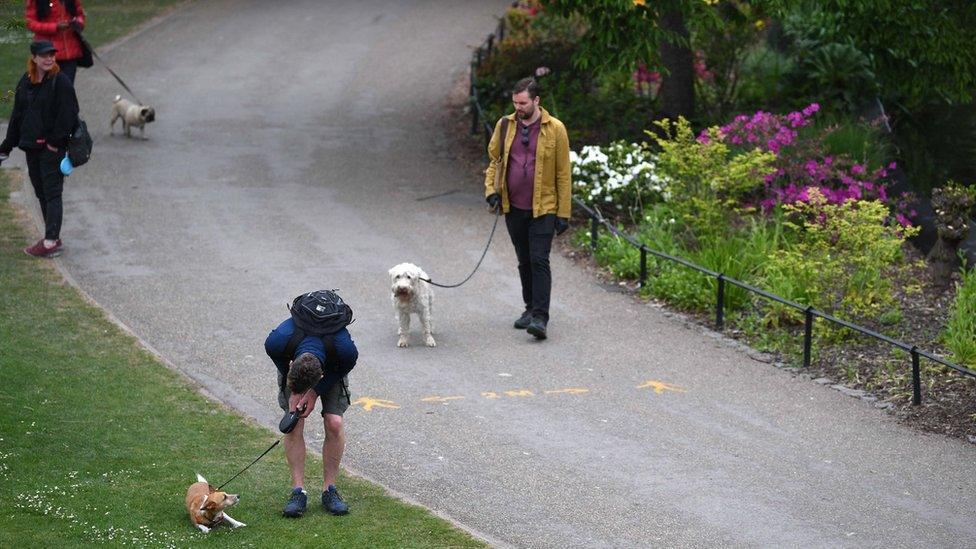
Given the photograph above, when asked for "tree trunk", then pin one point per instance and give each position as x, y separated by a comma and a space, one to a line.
678, 85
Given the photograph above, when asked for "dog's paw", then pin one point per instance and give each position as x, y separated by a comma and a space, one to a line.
238, 525
403, 342
429, 341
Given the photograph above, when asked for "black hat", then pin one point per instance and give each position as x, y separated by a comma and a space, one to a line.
42, 46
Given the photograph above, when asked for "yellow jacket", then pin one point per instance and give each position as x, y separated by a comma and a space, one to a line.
552, 182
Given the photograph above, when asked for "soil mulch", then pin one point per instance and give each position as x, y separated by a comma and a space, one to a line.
858, 365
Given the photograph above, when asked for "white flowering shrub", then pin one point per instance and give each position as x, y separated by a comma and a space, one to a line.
618, 179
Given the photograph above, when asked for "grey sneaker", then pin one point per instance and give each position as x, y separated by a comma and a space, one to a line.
523, 321
333, 503
296, 503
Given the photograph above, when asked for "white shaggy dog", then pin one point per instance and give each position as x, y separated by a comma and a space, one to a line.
411, 295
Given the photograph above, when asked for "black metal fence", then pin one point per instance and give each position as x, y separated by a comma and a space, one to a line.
479, 121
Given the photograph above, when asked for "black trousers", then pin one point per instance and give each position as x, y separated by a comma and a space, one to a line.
532, 238
44, 169
69, 67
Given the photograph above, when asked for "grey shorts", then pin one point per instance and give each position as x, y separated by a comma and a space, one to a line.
335, 401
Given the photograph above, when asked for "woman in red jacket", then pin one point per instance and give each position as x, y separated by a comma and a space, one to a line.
53, 20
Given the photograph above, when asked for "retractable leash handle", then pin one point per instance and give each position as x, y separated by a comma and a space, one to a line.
288, 423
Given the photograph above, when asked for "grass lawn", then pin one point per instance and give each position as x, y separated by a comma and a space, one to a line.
99, 441
106, 21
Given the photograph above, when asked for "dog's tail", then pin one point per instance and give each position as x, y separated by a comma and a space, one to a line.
201, 479
117, 99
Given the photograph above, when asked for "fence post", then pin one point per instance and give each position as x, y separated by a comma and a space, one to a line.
643, 265
594, 227
491, 43
807, 335
720, 303
916, 379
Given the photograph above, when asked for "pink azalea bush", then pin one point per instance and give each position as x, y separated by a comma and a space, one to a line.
802, 166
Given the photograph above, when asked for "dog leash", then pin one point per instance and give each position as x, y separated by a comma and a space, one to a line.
239, 473
81, 38
252, 463
498, 213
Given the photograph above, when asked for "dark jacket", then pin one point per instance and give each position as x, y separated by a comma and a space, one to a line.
44, 113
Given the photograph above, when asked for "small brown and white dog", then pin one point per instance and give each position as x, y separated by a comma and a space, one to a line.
206, 505
131, 115
410, 294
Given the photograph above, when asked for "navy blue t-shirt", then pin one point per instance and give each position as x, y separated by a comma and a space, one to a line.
345, 348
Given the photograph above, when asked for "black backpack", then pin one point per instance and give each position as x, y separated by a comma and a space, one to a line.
321, 313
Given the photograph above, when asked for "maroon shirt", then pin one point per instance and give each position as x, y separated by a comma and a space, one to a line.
521, 166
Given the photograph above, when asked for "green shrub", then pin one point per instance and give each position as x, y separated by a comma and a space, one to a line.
764, 80
706, 180
838, 259
828, 66
741, 256
960, 331
619, 256
862, 142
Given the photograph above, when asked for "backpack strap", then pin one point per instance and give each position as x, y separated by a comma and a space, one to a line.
296, 337
331, 356
497, 183
504, 134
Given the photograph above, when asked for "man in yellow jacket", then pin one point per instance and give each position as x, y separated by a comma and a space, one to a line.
528, 177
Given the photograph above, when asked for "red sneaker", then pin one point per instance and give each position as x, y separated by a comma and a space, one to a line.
39, 250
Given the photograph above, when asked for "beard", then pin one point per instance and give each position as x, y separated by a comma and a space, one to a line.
525, 115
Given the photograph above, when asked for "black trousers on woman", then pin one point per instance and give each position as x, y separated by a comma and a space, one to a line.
44, 169
532, 238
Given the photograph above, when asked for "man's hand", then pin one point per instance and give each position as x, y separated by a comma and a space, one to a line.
561, 225
306, 402
294, 402
494, 201
62, 25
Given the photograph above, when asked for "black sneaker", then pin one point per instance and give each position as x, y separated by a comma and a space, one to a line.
537, 328
296, 503
523, 321
333, 503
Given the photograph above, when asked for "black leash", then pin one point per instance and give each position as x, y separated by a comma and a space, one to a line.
252, 463
294, 417
498, 213
102, 61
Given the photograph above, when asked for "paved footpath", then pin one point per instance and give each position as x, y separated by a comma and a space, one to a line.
306, 144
